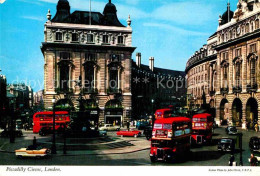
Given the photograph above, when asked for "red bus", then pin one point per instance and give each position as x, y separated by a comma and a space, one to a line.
170, 138
163, 113
202, 128
45, 119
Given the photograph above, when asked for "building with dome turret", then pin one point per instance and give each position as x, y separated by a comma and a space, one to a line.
231, 79
87, 59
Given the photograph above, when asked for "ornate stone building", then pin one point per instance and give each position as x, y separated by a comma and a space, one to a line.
234, 91
88, 55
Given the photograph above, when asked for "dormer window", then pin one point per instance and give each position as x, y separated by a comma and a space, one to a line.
75, 37
58, 36
105, 38
90, 38
120, 40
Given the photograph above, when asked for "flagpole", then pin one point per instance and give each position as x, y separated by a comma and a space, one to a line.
228, 11
89, 12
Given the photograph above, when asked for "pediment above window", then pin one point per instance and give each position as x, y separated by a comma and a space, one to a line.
252, 56
224, 63
237, 60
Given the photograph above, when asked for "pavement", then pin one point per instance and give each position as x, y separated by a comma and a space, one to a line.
80, 146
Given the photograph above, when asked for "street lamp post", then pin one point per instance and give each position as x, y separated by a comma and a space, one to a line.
153, 118
12, 135
64, 146
53, 147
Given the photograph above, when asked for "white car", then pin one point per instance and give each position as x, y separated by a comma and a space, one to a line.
32, 151
109, 127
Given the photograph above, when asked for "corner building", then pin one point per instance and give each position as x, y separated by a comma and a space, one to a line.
89, 54
235, 91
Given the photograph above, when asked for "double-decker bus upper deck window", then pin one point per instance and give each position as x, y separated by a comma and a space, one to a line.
202, 120
167, 126
195, 119
157, 126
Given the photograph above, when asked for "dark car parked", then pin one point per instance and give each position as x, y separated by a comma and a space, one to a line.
148, 132
254, 144
226, 145
45, 131
6, 133
231, 130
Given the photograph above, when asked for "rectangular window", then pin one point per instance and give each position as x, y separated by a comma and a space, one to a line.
105, 38
64, 56
238, 52
90, 57
253, 48
90, 38
120, 40
75, 37
58, 36
115, 58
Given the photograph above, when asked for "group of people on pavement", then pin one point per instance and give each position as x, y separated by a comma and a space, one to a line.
253, 160
255, 126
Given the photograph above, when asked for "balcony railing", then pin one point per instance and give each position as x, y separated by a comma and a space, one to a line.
114, 91
251, 88
90, 91
63, 90
224, 90
237, 89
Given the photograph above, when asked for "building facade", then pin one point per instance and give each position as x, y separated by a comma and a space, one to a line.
22, 96
235, 92
38, 100
155, 88
87, 59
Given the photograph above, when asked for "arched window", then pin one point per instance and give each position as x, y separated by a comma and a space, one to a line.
58, 36
238, 74
253, 71
120, 40
64, 71
89, 72
75, 37
90, 38
247, 27
105, 39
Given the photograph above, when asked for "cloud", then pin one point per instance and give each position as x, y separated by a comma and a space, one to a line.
175, 29
33, 18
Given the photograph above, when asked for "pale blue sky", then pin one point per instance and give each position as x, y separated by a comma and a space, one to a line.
169, 30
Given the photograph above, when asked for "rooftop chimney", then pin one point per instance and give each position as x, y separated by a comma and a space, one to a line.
151, 63
138, 59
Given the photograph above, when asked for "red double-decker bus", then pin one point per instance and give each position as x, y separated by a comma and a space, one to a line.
45, 119
202, 128
170, 138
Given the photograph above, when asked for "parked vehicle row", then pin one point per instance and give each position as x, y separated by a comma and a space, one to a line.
7, 133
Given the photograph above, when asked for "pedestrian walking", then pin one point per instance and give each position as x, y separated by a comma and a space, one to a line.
34, 141
231, 160
253, 160
247, 125
127, 125
256, 127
